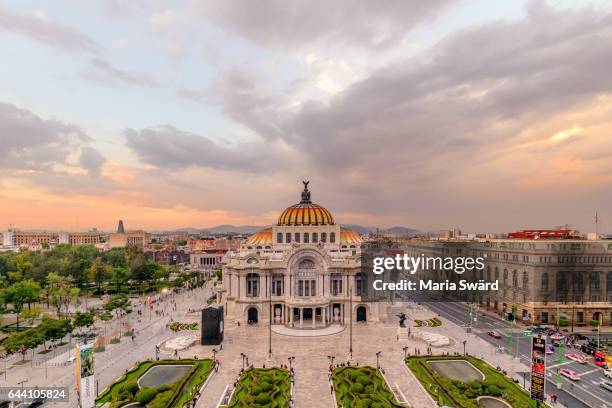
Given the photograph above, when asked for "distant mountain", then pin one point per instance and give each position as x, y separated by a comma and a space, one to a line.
404, 231
241, 229
359, 228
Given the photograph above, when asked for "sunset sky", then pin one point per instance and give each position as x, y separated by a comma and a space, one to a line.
488, 116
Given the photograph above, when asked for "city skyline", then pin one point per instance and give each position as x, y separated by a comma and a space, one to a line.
445, 114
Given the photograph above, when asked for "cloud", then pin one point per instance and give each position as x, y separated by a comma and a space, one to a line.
169, 147
363, 24
91, 160
103, 71
46, 32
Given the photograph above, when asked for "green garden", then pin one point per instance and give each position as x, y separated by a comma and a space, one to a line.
433, 322
459, 394
163, 384
362, 387
262, 387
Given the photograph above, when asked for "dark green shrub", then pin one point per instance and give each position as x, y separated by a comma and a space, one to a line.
494, 390
357, 387
256, 390
146, 395
265, 386
263, 399
161, 400
363, 380
131, 387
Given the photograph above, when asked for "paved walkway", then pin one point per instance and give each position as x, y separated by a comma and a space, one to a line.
324, 331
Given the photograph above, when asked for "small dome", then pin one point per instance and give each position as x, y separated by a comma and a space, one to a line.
305, 212
262, 237
348, 236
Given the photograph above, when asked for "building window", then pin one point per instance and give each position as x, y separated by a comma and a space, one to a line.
515, 279
358, 283
578, 282
335, 284
525, 280
562, 281
505, 277
279, 237
580, 317
324, 237
277, 285
306, 238
296, 237
306, 287
332, 237
288, 238
544, 317
315, 237
252, 281
609, 281
544, 285
594, 281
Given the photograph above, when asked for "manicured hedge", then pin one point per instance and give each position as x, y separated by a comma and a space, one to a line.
263, 387
463, 395
362, 387
126, 389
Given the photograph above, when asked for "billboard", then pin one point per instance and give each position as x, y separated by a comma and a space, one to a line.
85, 383
538, 369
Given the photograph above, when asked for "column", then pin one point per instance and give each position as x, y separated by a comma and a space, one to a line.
301, 317
291, 317
314, 315
323, 315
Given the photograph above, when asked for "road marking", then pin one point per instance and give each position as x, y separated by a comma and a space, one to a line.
559, 364
590, 371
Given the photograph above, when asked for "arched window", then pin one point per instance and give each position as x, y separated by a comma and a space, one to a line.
544, 281
609, 281
505, 277
525, 280
496, 273
515, 279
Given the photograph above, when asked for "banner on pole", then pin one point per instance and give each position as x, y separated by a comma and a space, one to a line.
538, 369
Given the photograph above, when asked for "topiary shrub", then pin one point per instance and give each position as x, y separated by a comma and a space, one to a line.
146, 395
161, 400
131, 387
363, 380
357, 388
494, 390
263, 399
265, 386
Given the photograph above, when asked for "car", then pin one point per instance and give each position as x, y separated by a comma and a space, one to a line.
494, 334
71, 359
608, 372
579, 358
606, 385
571, 374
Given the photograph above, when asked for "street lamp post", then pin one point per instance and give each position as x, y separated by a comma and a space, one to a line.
243, 357
214, 351
351, 322
405, 348
464, 342
291, 361
378, 353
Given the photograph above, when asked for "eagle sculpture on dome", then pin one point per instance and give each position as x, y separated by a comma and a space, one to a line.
306, 193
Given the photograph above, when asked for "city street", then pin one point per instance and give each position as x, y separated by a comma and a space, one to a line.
585, 393
110, 364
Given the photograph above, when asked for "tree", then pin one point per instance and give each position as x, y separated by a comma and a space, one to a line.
118, 276
31, 314
21, 293
60, 291
85, 319
97, 272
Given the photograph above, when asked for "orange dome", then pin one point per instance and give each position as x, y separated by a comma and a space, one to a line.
262, 237
305, 212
